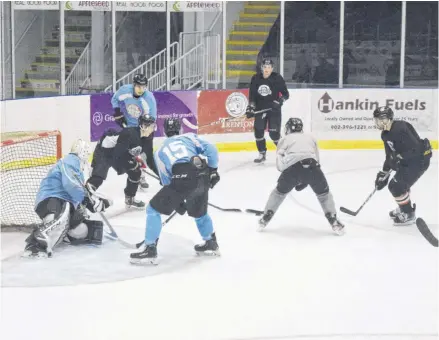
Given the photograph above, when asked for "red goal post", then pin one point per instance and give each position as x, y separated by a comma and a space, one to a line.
26, 157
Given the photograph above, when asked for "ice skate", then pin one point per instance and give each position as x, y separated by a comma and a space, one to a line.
394, 213
146, 256
208, 248
34, 250
132, 202
143, 184
265, 219
335, 223
404, 218
261, 158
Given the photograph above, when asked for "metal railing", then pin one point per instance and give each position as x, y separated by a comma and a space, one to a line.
80, 72
189, 69
154, 66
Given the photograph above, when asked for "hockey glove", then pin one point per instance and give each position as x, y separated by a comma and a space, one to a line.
301, 186
250, 112
119, 118
97, 204
278, 103
135, 151
382, 180
181, 209
214, 177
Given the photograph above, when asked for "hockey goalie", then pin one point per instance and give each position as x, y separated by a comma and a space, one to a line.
62, 202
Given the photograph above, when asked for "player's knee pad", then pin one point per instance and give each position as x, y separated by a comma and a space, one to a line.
166, 200
397, 188
259, 134
274, 135
87, 232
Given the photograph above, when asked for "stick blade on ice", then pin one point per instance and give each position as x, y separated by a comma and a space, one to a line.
347, 211
426, 232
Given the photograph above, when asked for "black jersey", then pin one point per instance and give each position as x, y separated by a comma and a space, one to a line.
403, 144
264, 91
128, 139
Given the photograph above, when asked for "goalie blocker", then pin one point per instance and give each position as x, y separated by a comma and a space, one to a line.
61, 204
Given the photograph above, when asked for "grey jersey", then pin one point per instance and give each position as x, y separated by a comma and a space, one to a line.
295, 147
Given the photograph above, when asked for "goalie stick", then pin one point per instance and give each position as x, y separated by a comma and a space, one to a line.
426, 232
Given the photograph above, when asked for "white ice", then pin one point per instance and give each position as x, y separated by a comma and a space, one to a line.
295, 280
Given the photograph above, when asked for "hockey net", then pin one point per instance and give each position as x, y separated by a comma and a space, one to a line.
26, 157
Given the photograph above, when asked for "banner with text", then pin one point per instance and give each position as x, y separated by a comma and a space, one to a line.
174, 104
195, 6
87, 5
140, 6
214, 107
343, 111
31, 5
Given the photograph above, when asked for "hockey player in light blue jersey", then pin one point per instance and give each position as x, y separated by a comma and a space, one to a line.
129, 103
187, 178
60, 203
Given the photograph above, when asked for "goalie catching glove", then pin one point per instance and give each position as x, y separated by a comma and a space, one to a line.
93, 202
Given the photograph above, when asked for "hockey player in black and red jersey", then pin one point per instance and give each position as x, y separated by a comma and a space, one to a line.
267, 91
408, 155
121, 150
298, 161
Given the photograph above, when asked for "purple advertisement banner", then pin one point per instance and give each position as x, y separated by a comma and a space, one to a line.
172, 104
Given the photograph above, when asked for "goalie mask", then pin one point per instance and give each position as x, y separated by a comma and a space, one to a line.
82, 149
383, 117
146, 125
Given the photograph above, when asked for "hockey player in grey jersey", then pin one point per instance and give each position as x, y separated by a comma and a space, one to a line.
298, 161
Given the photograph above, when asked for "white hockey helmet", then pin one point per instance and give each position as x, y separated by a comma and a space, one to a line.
82, 149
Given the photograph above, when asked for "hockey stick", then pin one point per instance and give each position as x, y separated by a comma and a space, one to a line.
212, 205
229, 119
355, 213
256, 212
426, 232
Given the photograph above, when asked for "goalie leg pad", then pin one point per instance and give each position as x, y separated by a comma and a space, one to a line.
50, 234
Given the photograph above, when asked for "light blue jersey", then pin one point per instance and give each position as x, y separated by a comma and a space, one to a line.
133, 107
180, 149
61, 182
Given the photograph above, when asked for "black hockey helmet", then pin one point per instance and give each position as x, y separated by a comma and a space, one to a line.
140, 79
383, 112
293, 125
383, 116
140, 82
267, 61
172, 127
145, 120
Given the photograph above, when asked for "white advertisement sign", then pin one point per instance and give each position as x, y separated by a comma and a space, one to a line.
196, 6
40, 5
141, 6
341, 111
87, 5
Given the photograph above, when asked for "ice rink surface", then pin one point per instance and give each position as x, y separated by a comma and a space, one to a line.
295, 280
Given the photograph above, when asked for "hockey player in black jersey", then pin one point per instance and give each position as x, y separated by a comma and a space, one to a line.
408, 155
267, 91
122, 152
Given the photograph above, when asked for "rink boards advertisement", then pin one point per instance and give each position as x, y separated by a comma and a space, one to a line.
351, 111
172, 104
223, 112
